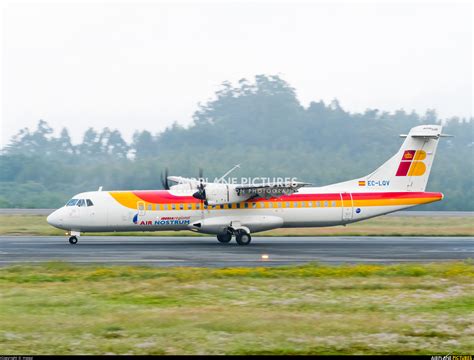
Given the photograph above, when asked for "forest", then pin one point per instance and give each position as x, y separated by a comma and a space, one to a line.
258, 123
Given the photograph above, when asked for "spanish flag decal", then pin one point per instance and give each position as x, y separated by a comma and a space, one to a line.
361, 183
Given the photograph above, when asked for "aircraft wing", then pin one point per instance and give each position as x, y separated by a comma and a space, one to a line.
269, 190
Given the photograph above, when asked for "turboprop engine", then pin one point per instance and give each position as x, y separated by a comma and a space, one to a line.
218, 194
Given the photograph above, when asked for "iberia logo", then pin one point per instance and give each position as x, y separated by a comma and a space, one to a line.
412, 164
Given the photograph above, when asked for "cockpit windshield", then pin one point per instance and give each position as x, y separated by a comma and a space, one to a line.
80, 202
72, 202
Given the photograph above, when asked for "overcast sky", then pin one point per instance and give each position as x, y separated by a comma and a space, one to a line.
144, 66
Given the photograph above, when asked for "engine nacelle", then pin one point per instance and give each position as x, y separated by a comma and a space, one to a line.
219, 194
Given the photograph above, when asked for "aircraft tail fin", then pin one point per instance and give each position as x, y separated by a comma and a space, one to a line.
408, 169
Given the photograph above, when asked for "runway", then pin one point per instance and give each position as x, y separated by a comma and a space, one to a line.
206, 251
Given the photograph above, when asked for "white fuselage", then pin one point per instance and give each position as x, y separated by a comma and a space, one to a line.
162, 210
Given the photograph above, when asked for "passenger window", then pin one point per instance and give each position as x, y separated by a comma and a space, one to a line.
279, 204
166, 206
246, 205
262, 205
181, 207
310, 203
270, 204
333, 204
295, 204
141, 207
190, 206
325, 204
237, 206
89, 202
81, 203
173, 206
198, 206
221, 206
150, 207
318, 204
287, 205
254, 205
303, 204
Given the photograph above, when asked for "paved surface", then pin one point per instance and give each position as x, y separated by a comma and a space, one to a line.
204, 251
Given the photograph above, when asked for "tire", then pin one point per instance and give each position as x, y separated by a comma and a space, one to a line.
243, 238
73, 240
224, 238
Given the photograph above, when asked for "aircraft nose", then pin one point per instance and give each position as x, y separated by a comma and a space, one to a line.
53, 219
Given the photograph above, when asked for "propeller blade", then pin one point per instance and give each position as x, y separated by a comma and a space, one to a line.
164, 180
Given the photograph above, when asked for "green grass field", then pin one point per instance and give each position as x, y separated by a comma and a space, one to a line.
58, 308
381, 226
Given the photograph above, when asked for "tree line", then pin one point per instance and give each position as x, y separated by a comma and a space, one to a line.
259, 123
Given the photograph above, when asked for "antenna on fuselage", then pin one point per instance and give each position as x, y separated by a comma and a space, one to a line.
228, 172
100, 188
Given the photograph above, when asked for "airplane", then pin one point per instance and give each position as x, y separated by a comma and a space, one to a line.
239, 210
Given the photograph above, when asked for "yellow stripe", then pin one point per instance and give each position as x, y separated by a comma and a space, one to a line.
126, 199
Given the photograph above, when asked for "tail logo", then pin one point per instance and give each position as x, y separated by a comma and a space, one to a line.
412, 163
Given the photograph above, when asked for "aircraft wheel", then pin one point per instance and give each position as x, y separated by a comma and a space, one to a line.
243, 238
224, 238
73, 240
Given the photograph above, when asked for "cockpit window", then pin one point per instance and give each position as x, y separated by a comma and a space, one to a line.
81, 203
71, 202
89, 202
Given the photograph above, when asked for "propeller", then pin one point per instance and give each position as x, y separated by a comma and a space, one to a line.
201, 193
164, 180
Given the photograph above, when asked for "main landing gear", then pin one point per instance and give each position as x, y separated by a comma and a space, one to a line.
242, 237
224, 238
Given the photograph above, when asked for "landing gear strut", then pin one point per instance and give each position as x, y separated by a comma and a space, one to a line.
242, 237
73, 240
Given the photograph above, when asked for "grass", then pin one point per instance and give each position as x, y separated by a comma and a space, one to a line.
381, 226
57, 308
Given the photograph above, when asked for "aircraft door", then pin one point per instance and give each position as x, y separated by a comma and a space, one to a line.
347, 206
141, 208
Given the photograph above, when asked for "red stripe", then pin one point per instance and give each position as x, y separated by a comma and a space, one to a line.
396, 195
165, 197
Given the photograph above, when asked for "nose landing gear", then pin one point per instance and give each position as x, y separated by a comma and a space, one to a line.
73, 240
74, 235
